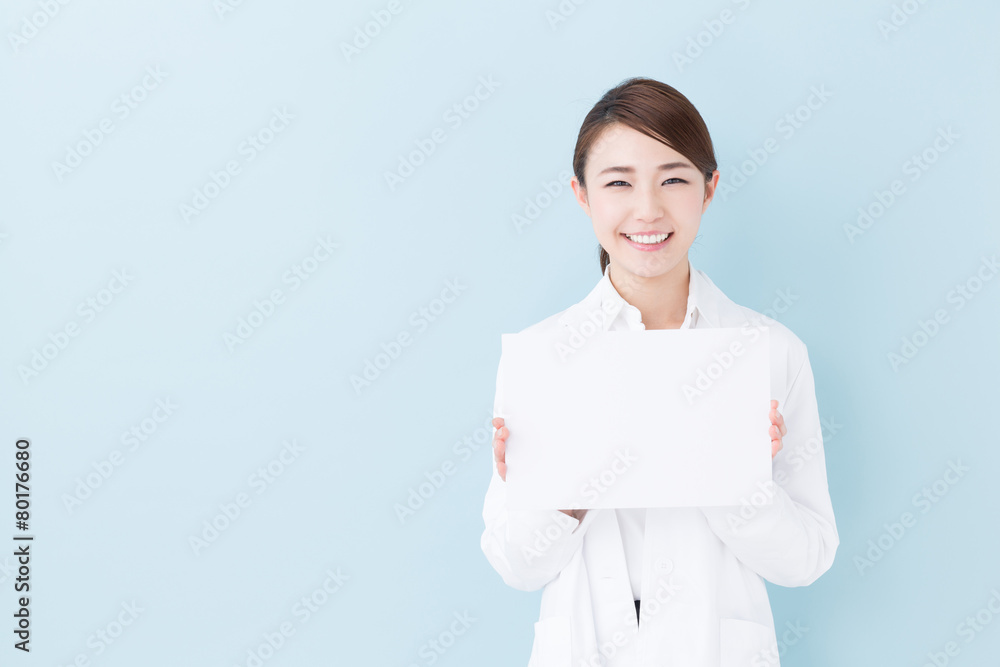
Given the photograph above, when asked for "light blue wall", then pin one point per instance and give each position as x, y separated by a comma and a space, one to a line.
189, 282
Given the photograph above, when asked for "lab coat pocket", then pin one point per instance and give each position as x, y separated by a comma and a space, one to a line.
551, 647
747, 644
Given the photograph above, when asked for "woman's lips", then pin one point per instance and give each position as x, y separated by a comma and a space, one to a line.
648, 247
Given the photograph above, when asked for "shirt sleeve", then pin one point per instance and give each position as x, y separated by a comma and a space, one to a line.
793, 540
528, 548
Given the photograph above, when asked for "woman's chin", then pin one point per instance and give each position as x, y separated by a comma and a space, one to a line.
656, 264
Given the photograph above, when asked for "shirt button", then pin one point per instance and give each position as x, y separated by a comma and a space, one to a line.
664, 565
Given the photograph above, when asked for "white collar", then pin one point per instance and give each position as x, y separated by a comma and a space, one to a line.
703, 296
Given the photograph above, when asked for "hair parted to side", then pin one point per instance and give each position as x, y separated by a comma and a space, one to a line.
658, 111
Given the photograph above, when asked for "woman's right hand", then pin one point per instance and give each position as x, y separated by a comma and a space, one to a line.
500, 456
500, 447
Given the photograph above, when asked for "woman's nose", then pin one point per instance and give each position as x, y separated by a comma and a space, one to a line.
648, 207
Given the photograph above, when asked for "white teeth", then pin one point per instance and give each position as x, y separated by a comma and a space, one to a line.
646, 239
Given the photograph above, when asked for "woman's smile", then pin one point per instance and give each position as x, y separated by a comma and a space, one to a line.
648, 242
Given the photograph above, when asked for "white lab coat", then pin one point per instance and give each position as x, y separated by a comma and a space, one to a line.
704, 603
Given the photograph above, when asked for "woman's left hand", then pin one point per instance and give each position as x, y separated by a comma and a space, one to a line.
777, 427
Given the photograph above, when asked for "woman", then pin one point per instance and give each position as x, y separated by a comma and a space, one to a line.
645, 172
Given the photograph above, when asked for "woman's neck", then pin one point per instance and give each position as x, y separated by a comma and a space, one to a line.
662, 300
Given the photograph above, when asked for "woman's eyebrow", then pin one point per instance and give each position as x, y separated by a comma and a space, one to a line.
662, 167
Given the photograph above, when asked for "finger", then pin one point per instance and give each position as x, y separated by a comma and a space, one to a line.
781, 424
775, 446
503, 432
502, 470
500, 450
497, 422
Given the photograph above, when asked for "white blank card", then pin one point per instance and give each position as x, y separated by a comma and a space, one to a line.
651, 418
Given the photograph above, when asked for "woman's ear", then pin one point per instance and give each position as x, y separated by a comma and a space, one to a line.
710, 186
580, 193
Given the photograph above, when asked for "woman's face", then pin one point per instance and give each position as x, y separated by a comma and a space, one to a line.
638, 186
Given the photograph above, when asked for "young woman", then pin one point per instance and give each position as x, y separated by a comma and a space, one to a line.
645, 172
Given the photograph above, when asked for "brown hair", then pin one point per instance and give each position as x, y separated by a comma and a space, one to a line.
655, 109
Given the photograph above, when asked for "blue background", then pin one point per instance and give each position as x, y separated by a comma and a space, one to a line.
453, 219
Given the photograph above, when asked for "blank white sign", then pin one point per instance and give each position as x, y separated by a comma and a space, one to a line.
649, 418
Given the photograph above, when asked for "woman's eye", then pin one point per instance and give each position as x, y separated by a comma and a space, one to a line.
678, 180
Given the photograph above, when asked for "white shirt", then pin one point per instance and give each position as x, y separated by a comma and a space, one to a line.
704, 566
624, 316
